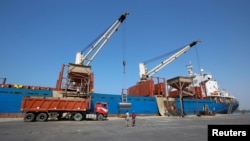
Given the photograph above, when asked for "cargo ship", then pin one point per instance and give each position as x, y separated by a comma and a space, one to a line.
183, 97
202, 92
194, 94
179, 96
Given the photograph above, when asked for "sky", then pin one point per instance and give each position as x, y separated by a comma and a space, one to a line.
38, 36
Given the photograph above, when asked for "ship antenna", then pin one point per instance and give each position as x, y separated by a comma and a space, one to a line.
190, 69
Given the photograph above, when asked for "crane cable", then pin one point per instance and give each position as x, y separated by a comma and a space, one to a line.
198, 59
124, 52
124, 90
163, 55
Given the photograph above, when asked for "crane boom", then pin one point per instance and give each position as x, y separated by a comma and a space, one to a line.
99, 44
144, 74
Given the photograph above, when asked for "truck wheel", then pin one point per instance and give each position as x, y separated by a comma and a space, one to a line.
42, 117
29, 117
100, 117
78, 117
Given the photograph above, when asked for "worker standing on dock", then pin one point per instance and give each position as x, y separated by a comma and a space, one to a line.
133, 118
127, 118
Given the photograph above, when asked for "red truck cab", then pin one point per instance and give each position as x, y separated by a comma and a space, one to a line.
101, 109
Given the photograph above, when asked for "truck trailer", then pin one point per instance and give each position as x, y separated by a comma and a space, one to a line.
51, 108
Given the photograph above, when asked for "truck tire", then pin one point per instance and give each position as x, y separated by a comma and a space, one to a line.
42, 117
99, 117
78, 117
29, 117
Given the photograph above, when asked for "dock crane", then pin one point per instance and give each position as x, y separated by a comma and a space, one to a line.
146, 85
80, 78
145, 74
99, 43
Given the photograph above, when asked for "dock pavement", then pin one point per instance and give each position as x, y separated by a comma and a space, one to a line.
148, 128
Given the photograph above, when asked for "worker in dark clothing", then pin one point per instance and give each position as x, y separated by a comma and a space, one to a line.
133, 118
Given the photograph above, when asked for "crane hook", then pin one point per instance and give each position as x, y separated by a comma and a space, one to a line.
124, 65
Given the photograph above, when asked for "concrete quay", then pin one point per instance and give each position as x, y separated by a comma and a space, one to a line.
148, 128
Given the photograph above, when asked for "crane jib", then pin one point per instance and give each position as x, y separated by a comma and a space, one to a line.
194, 43
145, 74
123, 17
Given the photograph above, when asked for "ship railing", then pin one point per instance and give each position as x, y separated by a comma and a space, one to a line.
17, 86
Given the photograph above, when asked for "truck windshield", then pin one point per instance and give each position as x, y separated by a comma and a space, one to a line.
105, 106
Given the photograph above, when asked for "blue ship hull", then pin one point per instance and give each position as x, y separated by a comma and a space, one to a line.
11, 98
142, 105
193, 106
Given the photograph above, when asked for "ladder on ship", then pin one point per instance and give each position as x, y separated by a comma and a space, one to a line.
124, 96
124, 104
